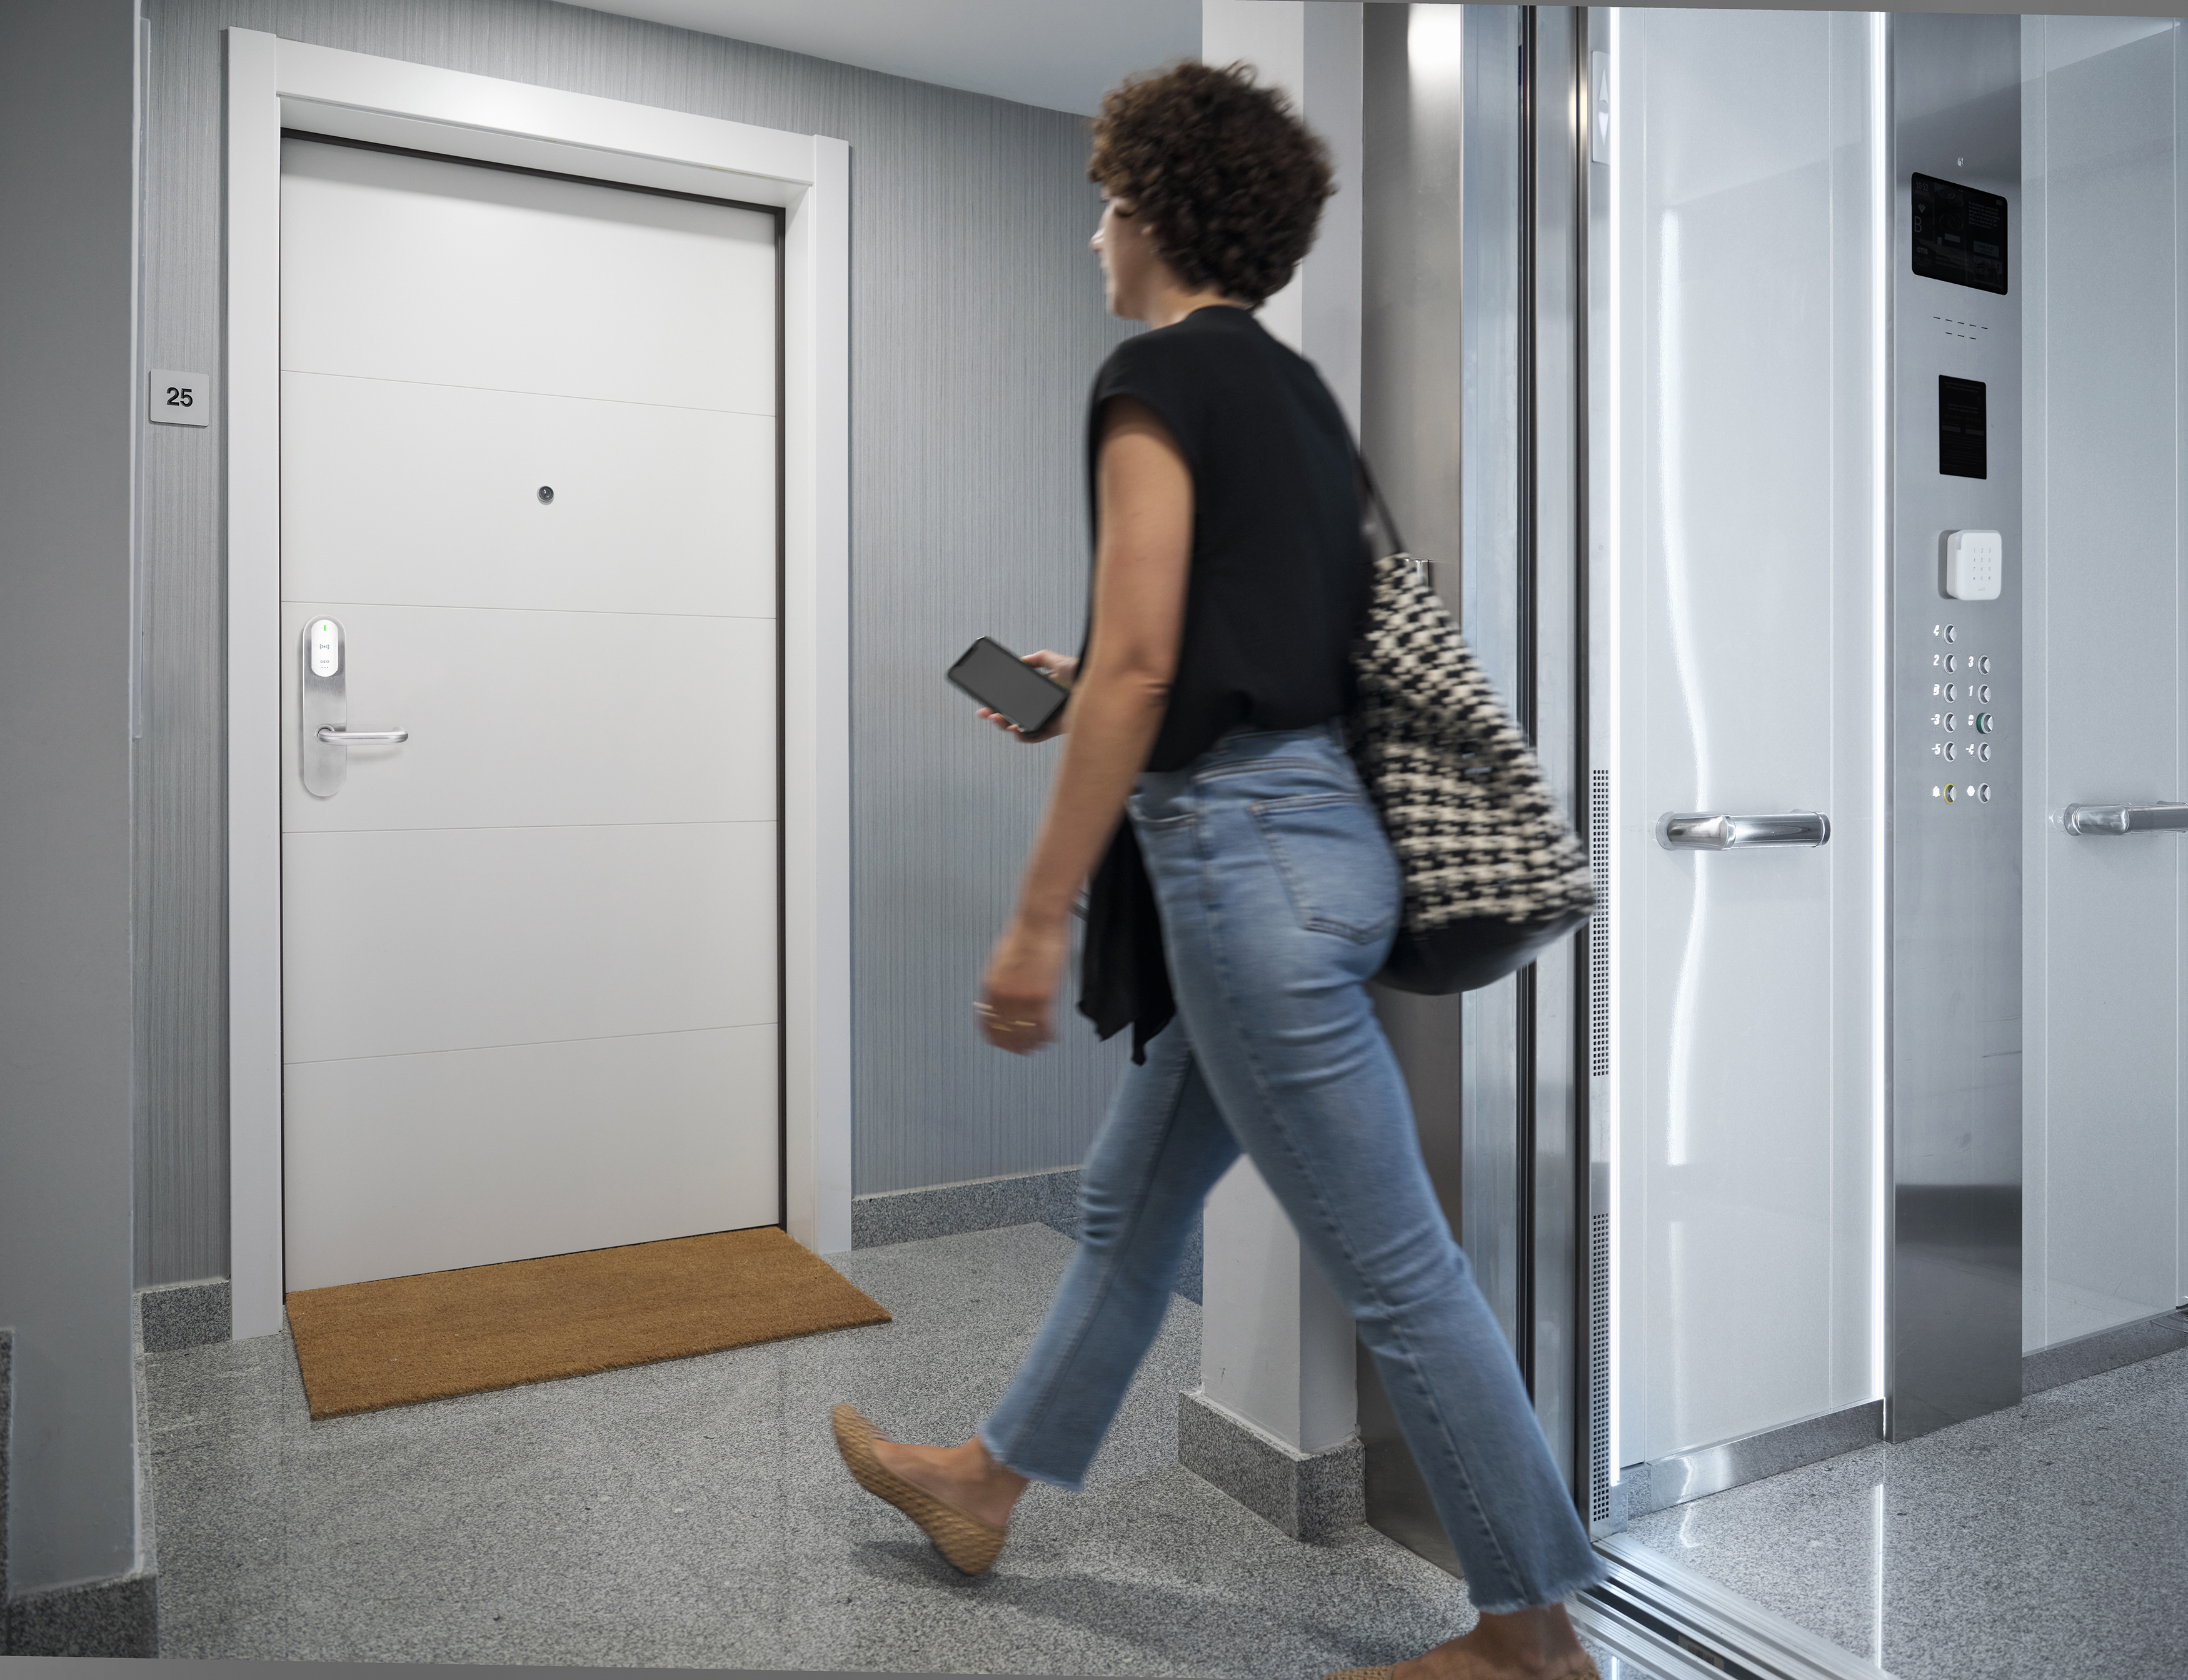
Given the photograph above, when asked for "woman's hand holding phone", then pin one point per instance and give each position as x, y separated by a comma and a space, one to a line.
1057, 667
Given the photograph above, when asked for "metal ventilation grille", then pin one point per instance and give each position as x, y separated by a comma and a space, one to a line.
1598, 1368
1599, 926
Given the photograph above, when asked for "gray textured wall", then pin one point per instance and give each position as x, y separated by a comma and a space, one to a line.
67, 200
976, 322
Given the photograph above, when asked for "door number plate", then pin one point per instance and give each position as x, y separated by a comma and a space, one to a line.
171, 398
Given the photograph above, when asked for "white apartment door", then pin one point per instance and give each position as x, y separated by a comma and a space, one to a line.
528, 458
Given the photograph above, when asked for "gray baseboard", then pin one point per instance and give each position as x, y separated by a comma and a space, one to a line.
115, 1618
171, 1316
118, 1618
2107, 1351
7, 1409
981, 1204
1309, 1495
148, 1518
1664, 1482
1050, 1198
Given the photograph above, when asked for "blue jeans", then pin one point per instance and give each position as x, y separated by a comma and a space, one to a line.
1279, 895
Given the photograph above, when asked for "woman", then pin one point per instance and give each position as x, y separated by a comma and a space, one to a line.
1242, 892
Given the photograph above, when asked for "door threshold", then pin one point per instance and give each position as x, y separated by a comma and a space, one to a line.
1667, 1619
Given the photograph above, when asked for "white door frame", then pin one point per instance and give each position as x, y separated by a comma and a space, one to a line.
273, 83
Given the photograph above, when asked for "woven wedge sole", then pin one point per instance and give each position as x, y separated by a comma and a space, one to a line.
969, 1544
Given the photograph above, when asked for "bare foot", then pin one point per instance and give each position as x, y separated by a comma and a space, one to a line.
963, 1476
1537, 1644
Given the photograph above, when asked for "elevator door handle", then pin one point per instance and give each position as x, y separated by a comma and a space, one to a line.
335, 737
1716, 832
2124, 819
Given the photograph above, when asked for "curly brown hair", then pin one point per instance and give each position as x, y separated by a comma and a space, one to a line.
1228, 175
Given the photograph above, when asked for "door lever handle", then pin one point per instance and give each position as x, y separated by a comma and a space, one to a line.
335, 737
2122, 818
1716, 831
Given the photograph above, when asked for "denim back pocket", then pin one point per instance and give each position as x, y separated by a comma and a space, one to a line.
1336, 864
1169, 818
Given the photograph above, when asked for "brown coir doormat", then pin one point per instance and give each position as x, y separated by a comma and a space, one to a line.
364, 1346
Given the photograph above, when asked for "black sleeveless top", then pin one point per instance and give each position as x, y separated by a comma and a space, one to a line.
1276, 587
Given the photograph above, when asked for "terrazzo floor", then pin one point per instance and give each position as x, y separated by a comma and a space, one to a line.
694, 1514
2047, 1541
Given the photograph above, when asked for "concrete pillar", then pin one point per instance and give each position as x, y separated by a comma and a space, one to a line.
72, 1566
1273, 1423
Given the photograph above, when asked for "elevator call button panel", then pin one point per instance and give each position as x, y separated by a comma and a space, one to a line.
1958, 680
1960, 235
1955, 799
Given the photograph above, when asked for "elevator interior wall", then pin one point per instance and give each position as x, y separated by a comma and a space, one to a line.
2106, 629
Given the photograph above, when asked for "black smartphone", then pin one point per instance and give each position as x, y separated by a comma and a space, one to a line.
1002, 682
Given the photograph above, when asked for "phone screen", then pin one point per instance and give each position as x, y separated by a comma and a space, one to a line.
1000, 681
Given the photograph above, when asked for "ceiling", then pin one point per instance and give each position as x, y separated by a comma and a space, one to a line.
1061, 53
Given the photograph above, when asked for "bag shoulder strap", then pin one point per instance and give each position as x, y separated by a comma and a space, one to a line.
1374, 508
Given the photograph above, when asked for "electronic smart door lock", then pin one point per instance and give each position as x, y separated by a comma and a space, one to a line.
325, 736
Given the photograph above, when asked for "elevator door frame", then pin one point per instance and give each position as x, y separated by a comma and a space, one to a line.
1536, 1194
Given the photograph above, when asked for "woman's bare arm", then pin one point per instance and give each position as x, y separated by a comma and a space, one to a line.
1144, 497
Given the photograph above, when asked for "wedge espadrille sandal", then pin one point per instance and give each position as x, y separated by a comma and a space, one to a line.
969, 1544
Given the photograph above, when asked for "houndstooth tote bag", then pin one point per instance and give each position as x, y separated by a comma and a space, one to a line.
1492, 872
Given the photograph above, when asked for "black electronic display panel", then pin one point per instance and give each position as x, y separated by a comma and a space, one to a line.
1960, 235
1962, 446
